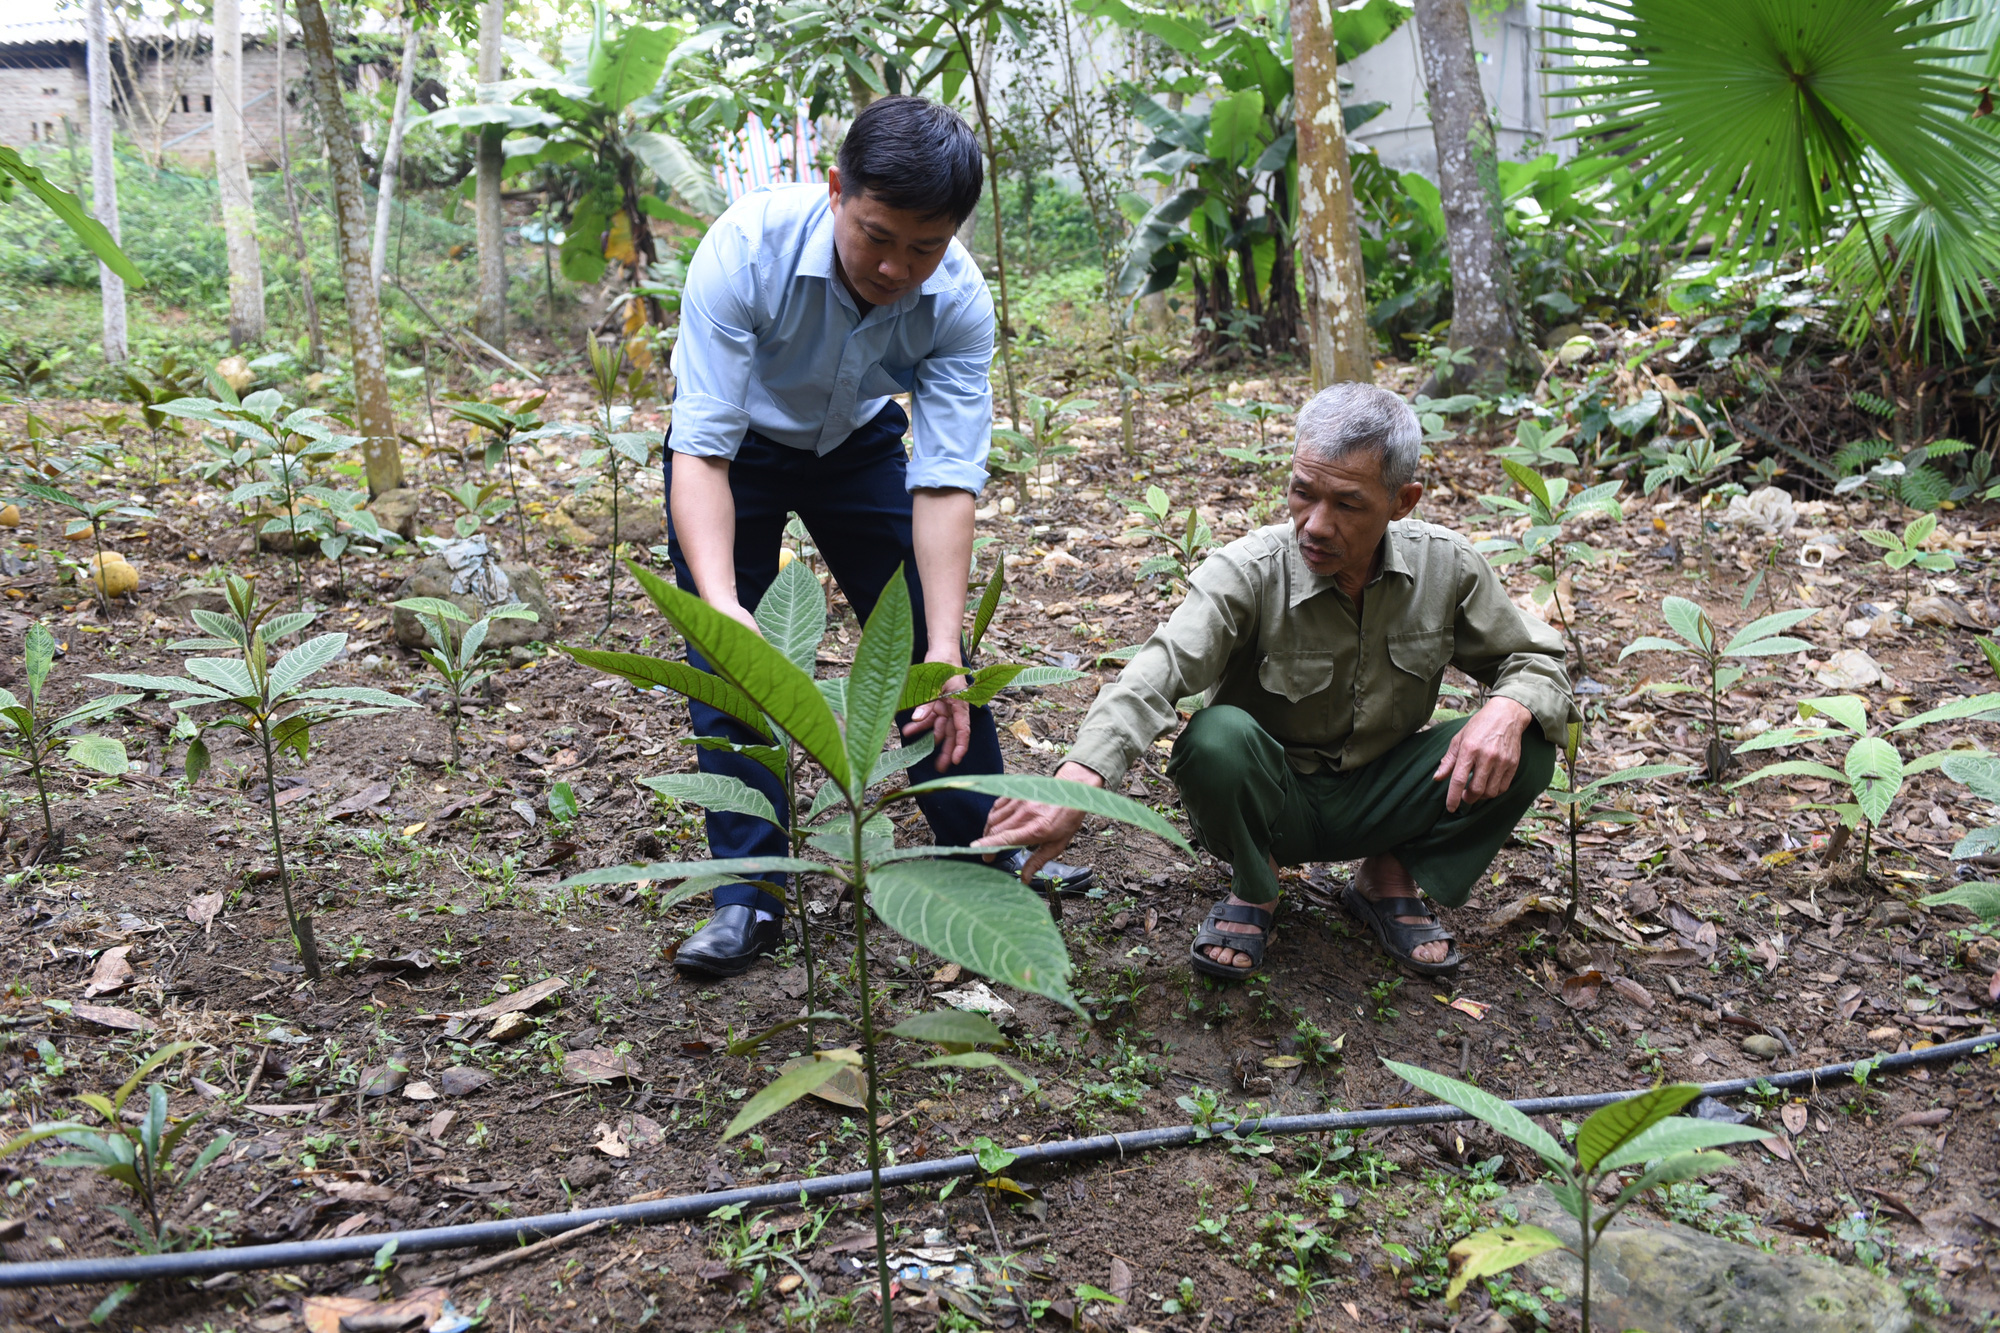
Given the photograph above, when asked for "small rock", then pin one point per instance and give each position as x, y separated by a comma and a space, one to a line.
459, 1080
1949, 611
1890, 913
509, 1026
397, 511
196, 595
470, 575
588, 517
1763, 1047
516, 743
584, 1173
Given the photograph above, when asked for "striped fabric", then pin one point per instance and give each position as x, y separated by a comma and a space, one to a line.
756, 156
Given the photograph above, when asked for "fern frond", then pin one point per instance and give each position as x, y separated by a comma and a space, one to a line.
1872, 403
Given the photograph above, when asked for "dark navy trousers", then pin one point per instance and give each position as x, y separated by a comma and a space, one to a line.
854, 502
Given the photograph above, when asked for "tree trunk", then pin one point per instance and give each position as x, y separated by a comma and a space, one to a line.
1485, 318
1327, 230
392, 157
490, 319
316, 340
381, 449
232, 174
104, 181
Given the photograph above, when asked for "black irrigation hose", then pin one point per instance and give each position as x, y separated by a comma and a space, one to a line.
205, 1263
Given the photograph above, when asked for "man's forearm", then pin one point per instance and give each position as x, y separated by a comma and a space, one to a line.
704, 514
941, 532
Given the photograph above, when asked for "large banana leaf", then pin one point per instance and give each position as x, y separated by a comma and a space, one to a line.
70, 209
678, 169
627, 67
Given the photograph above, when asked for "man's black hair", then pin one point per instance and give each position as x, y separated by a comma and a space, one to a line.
914, 155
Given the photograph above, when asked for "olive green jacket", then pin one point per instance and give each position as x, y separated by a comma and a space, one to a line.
1261, 631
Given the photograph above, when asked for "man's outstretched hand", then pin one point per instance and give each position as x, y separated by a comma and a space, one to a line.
1485, 754
1045, 830
949, 719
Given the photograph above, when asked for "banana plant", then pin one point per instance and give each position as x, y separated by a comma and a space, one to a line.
1641, 1136
1872, 770
459, 656
974, 915
136, 1151
1763, 637
1549, 507
1580, 805
268, 700
32, 738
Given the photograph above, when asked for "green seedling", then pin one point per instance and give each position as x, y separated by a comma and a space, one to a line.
1186, 534
1991, 650
459, 655
1979, 774
136, 1151
32, 738
150, 388
1641, 1135
1872, 771
91, 516
477, 504
1538, 446
503, 426
1549, 508
1027, 453
1908, 549
1580, 805
1764, 637
347, 520
615, 448
959, 910
269, 702
1694, 464
1259, 412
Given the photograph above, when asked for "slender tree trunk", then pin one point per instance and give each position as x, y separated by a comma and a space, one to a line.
1486, 318
381, 450
316, 338
980, 67
232, 174
490, 319
104, 181
1327, 230
392, 157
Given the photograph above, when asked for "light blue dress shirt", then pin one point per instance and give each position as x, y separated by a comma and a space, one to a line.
772, 341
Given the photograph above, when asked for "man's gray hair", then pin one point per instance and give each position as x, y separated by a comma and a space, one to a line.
1352, 418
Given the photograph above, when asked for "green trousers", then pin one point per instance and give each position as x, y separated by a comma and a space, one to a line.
1244, 800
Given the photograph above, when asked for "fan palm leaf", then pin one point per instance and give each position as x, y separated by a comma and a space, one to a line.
1761, 121
1939, 260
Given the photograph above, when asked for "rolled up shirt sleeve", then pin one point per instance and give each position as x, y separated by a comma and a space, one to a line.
1185, 656
716, 347
951, 400
1512, 653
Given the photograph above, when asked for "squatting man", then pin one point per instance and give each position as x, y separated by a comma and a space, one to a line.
1318, 647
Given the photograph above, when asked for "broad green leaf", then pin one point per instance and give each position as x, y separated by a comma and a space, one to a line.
1980, 772
278, 627
759, 670
70, 209
1678, 1134
701, 686
989, 602
364, 695
1487, 1253
902, 757
38, 654
978, 917
433, 606
1979, 705
800, 1081
1765, 627
792, 614
1848, 710
1527, 479
626, 68
1033, 677
223, 673
975, 1060
293, 669
36, 1134
924, 681
1790, 768
679, 170
1062, 792
1638, 773
1777, 647
1653, 643
1981, 897
667, 871
99, 754
147, 1066
875, 681
1876, 772
1485, 1107
1782, 736
1690, 622
714, 791
1672, 1170
771, 757
949, 1027
1610, 1128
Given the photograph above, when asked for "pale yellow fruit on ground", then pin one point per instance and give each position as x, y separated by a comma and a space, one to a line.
110, 572
785, 556
10, 516
235, 372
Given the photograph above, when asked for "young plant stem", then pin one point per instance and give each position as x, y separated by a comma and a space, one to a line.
792, 822
1556, 600
1575, 878
97, 543
41, 790
611, 552
520, 520
858, 818
1583, 1237
301, 927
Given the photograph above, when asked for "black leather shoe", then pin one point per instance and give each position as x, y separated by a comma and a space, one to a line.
1055, 876
732, 940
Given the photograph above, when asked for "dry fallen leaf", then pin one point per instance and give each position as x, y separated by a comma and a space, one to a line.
1935, 1116
202, 910
324, 1313
1777, 1146
1633, 991
420, 1092
354, 1191
1472, 1009
1794, 1117
105, 1016
519, 1002
610, 1142
112, 972
440, 1123
353, 1224
599, 1065
1282, 1061
1580, 992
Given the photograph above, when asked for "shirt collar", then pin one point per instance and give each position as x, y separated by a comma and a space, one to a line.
1306, 584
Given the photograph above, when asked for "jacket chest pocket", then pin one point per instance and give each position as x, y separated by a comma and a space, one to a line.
1419, 661
1296, 676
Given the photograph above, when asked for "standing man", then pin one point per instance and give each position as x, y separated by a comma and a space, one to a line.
805, 308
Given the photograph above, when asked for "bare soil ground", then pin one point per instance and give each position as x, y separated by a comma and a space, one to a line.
1710, 919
